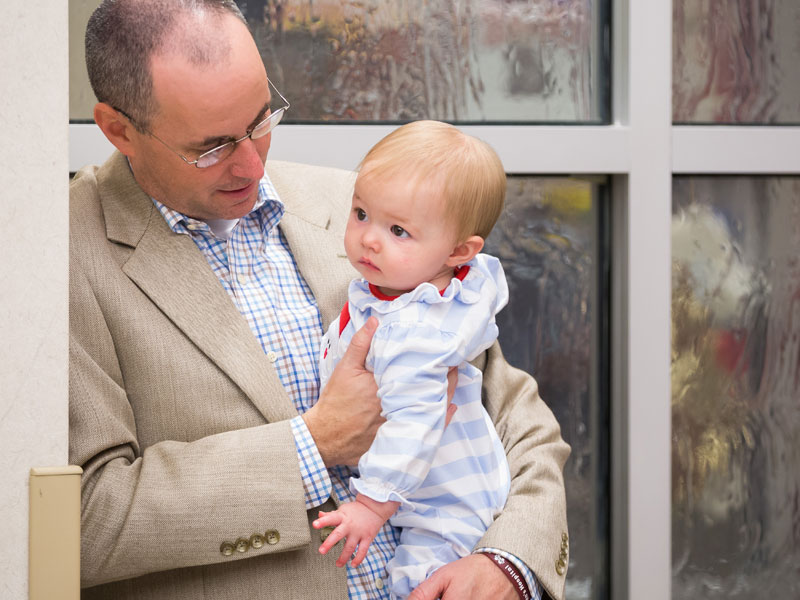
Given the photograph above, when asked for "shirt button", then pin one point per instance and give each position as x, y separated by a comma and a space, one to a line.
192, 226
272, 356
241, 278
379, 584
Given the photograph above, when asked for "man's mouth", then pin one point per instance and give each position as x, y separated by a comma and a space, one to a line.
240, 192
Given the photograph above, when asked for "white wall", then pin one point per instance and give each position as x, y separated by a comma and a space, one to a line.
33, 269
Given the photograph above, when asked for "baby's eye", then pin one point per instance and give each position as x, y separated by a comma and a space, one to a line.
398, 231
361, 215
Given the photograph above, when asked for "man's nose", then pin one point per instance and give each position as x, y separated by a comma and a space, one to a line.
246, 161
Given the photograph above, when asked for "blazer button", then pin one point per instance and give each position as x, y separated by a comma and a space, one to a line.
256, 541
272, 537
226, 549
242, 545
561, 566
325, 532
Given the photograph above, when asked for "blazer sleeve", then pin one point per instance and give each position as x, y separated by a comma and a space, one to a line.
176, 458
533, 524
173, 504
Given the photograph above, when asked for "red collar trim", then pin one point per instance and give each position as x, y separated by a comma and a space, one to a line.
459, 273
344, 318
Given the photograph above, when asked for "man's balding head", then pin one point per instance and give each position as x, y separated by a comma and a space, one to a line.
122, 37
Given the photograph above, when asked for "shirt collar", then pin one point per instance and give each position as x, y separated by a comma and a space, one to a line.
267, 204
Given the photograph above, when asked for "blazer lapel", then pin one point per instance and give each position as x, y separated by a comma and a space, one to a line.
175, 275
317, 203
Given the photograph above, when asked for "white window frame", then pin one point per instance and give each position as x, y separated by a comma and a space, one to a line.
642, 150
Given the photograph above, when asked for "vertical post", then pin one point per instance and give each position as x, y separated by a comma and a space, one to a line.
33, 271
54, 534
648, 341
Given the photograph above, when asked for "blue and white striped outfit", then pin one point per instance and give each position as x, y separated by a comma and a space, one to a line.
255, 265
451, 481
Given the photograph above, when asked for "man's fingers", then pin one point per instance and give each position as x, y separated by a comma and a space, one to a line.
452, 380
430, 589
356, 353
451, 410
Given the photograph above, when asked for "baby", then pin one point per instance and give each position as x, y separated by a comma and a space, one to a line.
426, 197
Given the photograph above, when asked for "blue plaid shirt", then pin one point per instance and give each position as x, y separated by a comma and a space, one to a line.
256, 267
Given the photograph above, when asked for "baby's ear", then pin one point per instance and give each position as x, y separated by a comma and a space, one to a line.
465, 251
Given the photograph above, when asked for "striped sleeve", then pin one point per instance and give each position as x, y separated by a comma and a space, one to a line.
410, 364
316, 481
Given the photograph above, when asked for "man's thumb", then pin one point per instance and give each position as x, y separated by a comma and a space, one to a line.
356, 354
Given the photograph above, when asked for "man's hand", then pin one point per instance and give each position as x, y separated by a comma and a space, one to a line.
347, 415
344, 420
471, 577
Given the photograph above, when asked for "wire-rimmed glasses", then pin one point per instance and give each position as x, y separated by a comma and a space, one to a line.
223, 151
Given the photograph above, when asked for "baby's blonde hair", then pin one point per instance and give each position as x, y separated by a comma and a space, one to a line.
472, 178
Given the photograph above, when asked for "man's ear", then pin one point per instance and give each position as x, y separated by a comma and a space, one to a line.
465, 251
116, 127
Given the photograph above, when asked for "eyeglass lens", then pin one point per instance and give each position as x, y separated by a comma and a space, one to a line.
263, 128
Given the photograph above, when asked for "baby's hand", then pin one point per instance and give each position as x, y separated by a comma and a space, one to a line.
358, 524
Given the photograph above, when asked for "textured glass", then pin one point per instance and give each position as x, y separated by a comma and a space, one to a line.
736, 388
736, 61
548, 240
457, 60
460, 60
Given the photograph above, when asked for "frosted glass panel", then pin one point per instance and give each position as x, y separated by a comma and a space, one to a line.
457, 60
736, 61
736, 388
549, 240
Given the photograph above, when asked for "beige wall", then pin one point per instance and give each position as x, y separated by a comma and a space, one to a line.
33, 269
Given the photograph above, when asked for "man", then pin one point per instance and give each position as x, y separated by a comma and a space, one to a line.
199, 288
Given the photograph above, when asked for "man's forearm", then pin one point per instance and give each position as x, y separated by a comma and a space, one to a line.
533, 522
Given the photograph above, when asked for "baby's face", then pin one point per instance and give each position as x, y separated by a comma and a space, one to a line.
398, 235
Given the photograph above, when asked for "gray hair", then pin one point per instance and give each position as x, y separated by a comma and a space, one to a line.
123, 35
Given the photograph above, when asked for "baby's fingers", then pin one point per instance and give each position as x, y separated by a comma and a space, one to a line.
327, 519
347, 551
335, 535
362, 552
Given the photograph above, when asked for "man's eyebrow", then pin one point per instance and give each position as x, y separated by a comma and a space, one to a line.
218, 140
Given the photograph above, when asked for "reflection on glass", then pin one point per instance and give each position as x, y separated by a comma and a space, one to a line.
460, 60
735, 61
547, 240
467, 60
736, 387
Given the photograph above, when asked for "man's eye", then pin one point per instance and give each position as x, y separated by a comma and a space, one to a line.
361, 215
398, 231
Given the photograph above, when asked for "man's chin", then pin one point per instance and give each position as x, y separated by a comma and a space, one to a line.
234, 205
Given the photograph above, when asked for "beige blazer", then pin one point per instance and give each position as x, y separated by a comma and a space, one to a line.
181, 424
